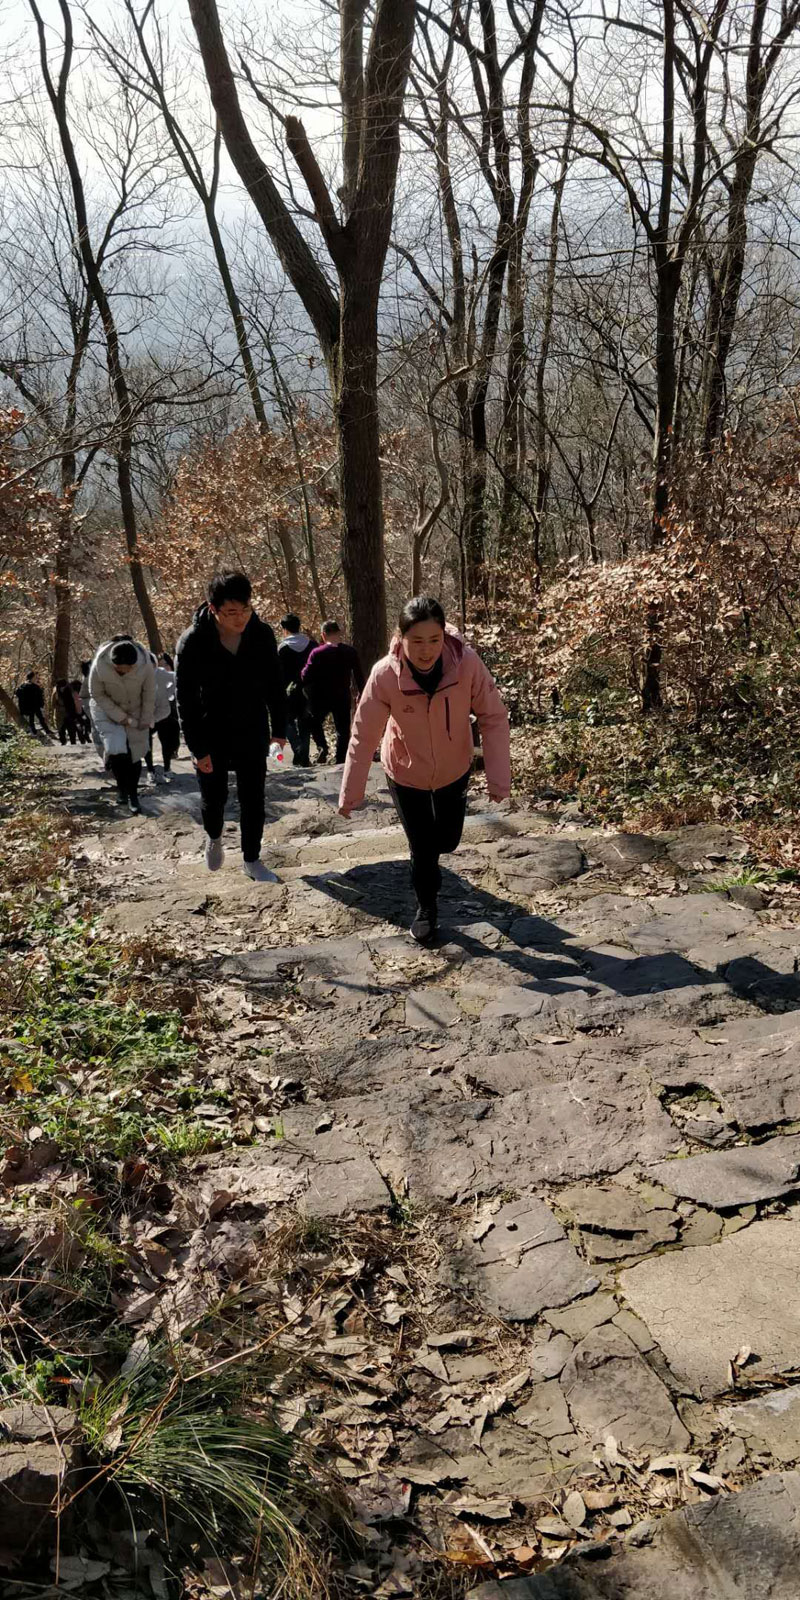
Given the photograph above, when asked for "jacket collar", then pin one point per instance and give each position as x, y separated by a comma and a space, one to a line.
452, 655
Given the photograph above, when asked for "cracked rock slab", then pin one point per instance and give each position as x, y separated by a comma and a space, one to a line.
524, 1264
326, 1176
770, 1422
735, 1177
737, 1547
431, 1009
702, 1305
610, 1388
752, 1065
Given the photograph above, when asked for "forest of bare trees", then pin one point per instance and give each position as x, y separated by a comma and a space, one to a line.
472, 296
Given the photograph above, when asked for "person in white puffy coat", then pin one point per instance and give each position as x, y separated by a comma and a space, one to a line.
122, 688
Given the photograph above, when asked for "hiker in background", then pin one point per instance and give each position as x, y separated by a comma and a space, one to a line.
327, 677
301, 725
418, 700
167, 725
62, 711
30, 699
82, 723
230, 696
122, 684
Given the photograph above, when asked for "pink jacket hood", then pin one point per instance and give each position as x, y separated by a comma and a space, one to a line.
426, 741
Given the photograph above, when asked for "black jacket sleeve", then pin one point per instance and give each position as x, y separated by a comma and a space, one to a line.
274, 685
189, 699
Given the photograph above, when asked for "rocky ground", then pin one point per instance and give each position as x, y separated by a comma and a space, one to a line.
546, 1175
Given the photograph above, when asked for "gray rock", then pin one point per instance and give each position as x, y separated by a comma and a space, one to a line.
578, 1320
622, 853
327, 1175
702, 1305
736, 1547
545, 1412
735, 1177
530, 864
747, 895
547, 1357
753, 1067
524, 1263
614, 1209
769, 1422
39, 1450
515, 1461
610, 1388
704, 841
431, 1009
346, 963
686, 922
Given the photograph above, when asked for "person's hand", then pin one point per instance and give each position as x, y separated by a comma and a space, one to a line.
345, 811
281, 742
203, 764
497, 799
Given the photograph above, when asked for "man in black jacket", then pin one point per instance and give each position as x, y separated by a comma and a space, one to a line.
30, 699
230, 700
301, 726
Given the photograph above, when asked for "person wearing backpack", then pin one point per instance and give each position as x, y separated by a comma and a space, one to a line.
293, 653
419, 701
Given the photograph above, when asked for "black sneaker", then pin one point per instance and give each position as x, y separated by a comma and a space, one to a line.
134, 806
322, 758
423, 928
121, 798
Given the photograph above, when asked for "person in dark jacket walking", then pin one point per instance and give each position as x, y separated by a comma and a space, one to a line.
230, 698
30, 699
301, 725
327, 678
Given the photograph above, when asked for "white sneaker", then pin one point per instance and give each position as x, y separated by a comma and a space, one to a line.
215, 854
259, 873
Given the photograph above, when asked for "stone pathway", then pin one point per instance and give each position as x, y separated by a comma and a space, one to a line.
591, 1092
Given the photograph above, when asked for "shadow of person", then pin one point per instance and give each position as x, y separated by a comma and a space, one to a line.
543, 956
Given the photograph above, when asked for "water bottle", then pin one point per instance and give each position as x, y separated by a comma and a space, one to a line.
280, 756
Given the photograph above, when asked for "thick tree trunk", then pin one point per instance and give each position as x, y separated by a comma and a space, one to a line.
357, 422
9, 709
663, 449
63, 593
136, 569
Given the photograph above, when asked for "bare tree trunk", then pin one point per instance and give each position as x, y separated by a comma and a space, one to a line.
726, 285
358, 428
372, 99
8, 707
57, 96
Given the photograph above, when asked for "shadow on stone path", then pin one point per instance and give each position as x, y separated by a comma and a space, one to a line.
592, 1089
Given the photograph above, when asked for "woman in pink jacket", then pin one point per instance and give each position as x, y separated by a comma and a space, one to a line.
418, 700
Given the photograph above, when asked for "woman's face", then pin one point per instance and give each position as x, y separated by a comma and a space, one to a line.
422, 645
122, 671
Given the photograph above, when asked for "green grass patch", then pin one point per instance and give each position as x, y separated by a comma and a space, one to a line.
84, 1062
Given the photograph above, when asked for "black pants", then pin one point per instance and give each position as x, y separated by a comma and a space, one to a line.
340, 712
169, 737
433, 820
68, 730
250, 768
298, 732
127, 773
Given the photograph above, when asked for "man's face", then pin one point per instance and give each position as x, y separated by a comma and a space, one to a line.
233, 615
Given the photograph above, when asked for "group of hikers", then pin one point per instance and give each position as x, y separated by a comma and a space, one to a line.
235, 691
